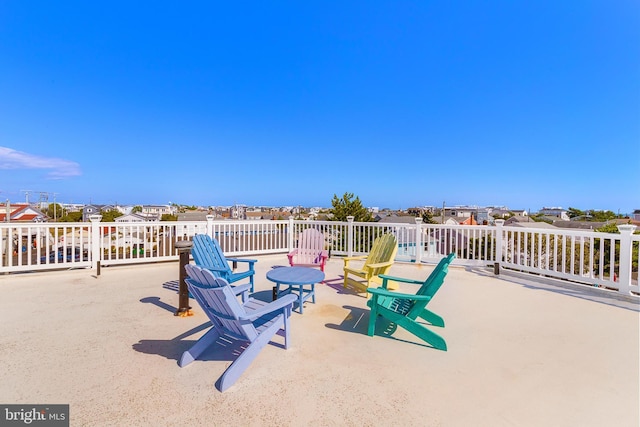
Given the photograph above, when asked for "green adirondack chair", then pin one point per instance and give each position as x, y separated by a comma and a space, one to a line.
405, 309
379, 261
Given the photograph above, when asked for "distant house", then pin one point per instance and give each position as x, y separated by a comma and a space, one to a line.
193, 216
555, 212
522, 221
636, 215
256, 215
157, 210
397, 219
89, 210
499, 213
418, 211
134, 218
447, 220
591, 225
460, 211
21, 212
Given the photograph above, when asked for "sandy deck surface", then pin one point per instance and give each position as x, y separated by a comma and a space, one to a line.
520, 353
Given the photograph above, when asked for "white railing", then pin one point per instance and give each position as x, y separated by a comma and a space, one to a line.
605, 260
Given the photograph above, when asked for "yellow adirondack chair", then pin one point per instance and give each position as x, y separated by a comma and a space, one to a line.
379, 261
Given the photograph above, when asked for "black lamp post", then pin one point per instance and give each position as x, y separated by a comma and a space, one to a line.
184, 249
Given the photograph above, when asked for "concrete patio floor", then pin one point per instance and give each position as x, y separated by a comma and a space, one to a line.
521, 353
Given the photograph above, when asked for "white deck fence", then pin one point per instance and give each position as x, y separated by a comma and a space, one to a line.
606, 260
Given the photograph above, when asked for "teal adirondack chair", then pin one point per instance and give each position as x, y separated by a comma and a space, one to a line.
206, 253
253, 321
405, 309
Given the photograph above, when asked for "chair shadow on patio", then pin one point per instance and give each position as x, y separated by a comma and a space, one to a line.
337, 284
357, 322
266, 296
172, 285
225, 348
157, 302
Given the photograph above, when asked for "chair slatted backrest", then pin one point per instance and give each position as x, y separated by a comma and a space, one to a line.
384, 249
413, 308
428, 289
435, 279
310, 246
220, 304
207, 253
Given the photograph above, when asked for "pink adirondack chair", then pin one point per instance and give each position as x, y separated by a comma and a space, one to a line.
310, 251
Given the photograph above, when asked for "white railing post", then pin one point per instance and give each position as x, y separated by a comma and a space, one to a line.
624, 278
96, 255
499, 243
350, 219
291, 233
210, 226
419, 244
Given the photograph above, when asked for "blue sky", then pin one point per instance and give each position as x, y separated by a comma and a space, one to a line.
523, 104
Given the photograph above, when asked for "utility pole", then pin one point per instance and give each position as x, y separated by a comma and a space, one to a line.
44, 199
55, 208
26, 195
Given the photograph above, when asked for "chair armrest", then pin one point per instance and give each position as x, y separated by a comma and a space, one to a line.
401, 279
352, 258
384, 292
241, 288
271, 307
222, 270
290, 255
380, 264
250, 261
349, 258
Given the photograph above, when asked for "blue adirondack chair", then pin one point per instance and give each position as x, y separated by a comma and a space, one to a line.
206, 253
404, 309
200, 276
253, 321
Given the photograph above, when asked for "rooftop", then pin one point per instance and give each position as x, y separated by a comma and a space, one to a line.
521, 352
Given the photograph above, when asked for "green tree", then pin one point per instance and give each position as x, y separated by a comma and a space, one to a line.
54, 210
427, 218
600, 216
72, 217
348, 206
538, 217
110, 215
573, 212
136, 209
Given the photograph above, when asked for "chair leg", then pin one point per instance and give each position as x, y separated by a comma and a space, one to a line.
243, 361
201, 345
423, 333
373, 316
287, 314
432, 318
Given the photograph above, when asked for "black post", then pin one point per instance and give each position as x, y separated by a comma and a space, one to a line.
184, 249
496, 268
